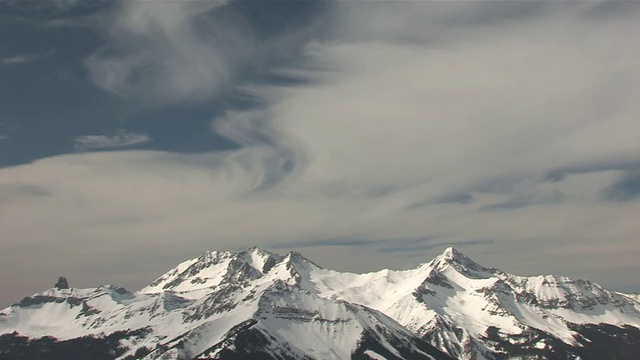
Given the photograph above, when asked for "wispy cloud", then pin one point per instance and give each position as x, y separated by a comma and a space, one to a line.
459, 198
21, 190
462, 114
629, 163
625, 188
24, 58
121, 139
422, 246
167, 52
323, 243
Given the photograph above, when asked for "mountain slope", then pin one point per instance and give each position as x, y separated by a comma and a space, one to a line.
252, 305
256, 304
470, 311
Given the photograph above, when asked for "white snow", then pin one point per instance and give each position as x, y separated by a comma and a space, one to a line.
374, 355
319, 316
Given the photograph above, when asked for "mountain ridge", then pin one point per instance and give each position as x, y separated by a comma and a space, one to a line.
451, 306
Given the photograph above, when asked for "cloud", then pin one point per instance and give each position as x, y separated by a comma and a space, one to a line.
322, 243
121, 139
453, 198
159, 53
395, 113
167, 51
622, 164
417, 246
24, 58
626, 188
21, 191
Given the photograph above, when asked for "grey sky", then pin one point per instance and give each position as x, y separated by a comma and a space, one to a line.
135, 134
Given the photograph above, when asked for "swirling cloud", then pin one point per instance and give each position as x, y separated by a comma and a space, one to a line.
403, 134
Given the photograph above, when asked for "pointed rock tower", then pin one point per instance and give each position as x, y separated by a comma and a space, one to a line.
62, 283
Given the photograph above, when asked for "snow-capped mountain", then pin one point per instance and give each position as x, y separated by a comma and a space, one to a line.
258, 305
473, 312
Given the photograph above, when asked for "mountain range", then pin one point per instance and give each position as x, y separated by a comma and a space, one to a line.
255, 304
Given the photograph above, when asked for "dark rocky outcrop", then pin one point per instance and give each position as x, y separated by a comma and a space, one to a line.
62, 283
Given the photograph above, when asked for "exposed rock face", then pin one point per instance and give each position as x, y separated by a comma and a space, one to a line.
258, 305
62, 283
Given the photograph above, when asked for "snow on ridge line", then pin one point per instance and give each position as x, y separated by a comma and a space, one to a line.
385, 289
450, 294
211, 268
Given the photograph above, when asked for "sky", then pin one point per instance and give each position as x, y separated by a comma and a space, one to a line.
364, 134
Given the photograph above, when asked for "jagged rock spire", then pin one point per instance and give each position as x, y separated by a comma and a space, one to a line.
62, 283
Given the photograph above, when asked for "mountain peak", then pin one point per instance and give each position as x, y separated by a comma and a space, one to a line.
461, 262
259, 259
220, 302
62, 283
298, 260
255, 250
451, 254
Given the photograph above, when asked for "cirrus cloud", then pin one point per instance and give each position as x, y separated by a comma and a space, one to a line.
122, 138
406, 134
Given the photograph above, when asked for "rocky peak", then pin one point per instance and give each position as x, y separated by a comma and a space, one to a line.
453, 255
295, 260
461, 262
62, 283
259, 259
